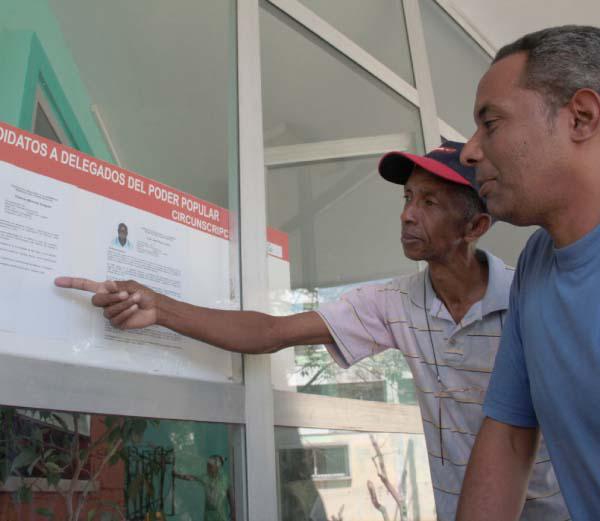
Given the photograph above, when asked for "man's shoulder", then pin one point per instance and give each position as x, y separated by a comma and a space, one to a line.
539, 240
404, 285
538, 251
398, 287
501, 273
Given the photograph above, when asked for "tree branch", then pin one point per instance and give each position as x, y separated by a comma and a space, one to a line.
316, 375
375, 501
382, 473
86, 490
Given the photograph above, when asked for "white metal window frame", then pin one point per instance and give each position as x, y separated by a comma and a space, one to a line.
467, 26
312, 449
63, 387
60, 386
302, 410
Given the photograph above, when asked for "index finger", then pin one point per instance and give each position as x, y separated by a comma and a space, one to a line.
81, 284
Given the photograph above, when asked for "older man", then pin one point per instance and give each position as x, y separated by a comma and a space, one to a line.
446, 320
537, 154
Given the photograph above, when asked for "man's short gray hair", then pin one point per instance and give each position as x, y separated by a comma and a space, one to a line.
468, 201
560, 61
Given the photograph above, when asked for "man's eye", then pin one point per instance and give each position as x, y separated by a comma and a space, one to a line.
429, 202
489, 123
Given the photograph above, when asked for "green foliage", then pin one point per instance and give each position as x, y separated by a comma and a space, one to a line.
315, 363
40, 444
45, 512
23, 494
26, 458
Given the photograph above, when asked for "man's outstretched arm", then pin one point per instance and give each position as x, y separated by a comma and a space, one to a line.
496, 480
129, 305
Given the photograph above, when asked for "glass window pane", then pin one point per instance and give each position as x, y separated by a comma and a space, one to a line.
360, 476
164, 83
143, 97
331, 462
323, 140
77, 467
378, 26
457, 64
43, 126
331, 99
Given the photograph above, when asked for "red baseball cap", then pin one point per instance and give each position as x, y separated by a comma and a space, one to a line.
443, 162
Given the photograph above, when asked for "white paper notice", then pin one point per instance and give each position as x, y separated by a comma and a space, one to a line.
148, 249
65, 213
33, 223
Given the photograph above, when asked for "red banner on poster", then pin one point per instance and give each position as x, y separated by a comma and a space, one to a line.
45, 157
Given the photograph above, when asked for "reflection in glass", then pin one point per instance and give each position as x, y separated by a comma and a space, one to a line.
119, 468
385, 377
352, 476
324, 134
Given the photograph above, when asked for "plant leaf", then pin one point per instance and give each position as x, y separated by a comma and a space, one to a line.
53, 479
48, 453
53, 468
38, 436
24, 459
33, 464
45, 512
60, 421
24, 494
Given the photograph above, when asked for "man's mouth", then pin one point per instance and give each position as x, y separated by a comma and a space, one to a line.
409, 237
485, 187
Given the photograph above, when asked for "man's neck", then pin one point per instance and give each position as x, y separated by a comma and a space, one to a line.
569, 226
460, 282
577, 212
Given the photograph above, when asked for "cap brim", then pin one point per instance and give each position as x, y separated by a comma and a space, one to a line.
396, 167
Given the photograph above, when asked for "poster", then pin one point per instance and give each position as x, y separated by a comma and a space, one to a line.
65, 213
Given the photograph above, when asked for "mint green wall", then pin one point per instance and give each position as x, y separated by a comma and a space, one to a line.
31, 43
14, 58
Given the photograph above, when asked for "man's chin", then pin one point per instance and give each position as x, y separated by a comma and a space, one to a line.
499, 211
412, 254
507, 214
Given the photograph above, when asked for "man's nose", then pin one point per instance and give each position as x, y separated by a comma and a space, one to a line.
408, 214
471, 154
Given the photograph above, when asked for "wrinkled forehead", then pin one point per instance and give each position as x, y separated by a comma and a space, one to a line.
423, 180
424, 184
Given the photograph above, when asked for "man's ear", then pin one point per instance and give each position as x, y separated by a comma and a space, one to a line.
584, 109
479, 225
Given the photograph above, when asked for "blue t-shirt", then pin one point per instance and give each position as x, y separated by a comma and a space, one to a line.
547, 370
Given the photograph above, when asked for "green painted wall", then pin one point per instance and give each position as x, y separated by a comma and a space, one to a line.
33, 52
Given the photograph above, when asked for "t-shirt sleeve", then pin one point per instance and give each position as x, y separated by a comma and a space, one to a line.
357, 324
508, 398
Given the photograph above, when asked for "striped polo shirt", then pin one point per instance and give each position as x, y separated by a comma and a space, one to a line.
406, 314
